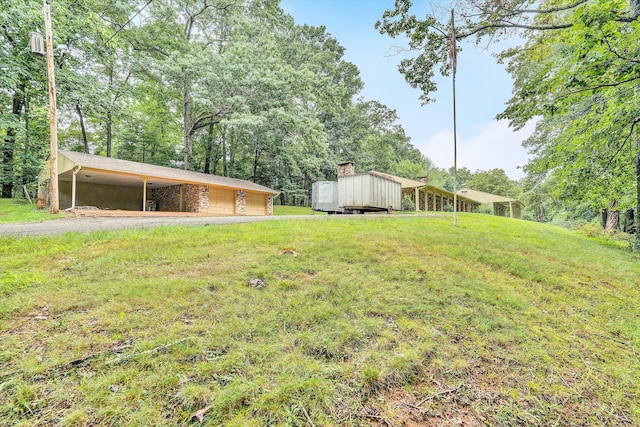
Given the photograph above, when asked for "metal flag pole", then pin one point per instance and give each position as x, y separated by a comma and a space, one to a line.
453, 55
53, 118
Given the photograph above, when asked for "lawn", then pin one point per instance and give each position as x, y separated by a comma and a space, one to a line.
294, 210
340, 321
19, 210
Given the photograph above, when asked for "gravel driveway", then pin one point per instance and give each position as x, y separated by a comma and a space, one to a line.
89, 224
85, 224
82, 224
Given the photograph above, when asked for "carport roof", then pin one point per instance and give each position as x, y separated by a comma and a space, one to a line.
142, 170
483, 197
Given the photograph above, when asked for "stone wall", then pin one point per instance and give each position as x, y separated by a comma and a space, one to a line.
270, 205
167, 198
195, 198
241, 202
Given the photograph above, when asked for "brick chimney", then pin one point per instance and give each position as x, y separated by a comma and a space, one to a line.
346, 169
424, 179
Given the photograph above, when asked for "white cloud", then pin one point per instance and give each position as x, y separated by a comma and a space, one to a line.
493, 146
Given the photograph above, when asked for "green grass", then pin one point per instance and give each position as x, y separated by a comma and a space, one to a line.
294, 210
362, 321
19, 210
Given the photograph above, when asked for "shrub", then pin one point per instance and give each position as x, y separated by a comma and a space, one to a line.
408, 205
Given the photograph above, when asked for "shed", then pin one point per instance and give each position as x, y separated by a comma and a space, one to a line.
114, 184
500, 205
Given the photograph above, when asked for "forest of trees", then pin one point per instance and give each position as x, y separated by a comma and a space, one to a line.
226, 87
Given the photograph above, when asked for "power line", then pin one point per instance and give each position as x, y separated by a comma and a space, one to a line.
125, 24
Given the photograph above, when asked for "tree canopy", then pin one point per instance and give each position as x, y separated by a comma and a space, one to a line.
227, 87
577, 73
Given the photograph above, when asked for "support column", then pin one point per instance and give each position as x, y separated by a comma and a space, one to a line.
144, 194
417, 195
73, 186
510, 209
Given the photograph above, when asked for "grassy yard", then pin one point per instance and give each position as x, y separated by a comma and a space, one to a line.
14, 210
375, 321
294, 210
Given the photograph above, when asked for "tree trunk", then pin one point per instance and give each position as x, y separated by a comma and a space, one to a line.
188, 124
613, 217
224, 157
216, 157
9, 144
25, 156
82, 128
629, 222
636, 244
109, 133
207, 154
256, 158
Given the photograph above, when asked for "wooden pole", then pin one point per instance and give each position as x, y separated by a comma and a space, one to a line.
53, 117
455, 145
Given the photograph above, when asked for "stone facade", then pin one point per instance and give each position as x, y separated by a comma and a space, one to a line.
270, 205
241, 202
181, 198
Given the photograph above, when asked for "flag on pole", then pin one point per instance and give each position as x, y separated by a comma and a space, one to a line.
453, 53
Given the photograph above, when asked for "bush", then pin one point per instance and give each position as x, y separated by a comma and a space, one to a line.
408, 205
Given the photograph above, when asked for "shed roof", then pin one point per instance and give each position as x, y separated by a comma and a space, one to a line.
160, 174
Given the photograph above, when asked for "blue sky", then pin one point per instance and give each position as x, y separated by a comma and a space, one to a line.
482, 88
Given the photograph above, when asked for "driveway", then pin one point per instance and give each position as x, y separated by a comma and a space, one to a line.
82, 224
85, 224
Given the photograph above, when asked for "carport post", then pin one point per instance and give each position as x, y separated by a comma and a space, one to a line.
73, 186
417, 200
144, 194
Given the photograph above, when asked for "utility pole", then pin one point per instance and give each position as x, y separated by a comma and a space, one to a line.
53, 117
454, 63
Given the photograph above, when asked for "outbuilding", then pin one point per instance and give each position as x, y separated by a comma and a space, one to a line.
90, 181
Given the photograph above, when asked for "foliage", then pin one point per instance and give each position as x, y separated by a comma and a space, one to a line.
97, 329
577, 73
408, 205
230, 88
494, 181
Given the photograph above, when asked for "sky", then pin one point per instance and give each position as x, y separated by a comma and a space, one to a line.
482, 88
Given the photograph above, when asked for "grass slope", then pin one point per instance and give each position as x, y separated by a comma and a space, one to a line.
362, 322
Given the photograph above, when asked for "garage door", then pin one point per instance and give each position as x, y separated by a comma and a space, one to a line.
222, 202
256, 204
